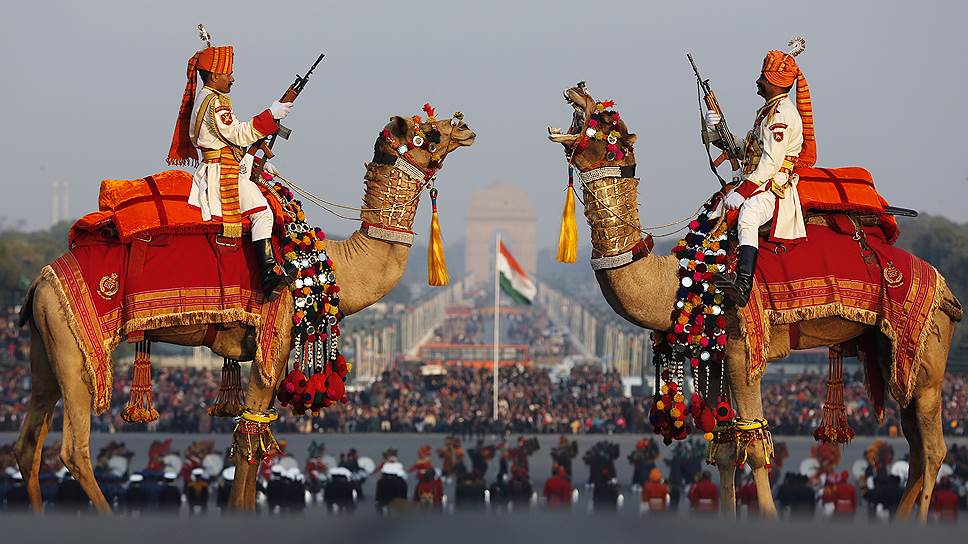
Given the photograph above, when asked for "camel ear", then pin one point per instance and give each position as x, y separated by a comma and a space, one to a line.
398, 127
630, 140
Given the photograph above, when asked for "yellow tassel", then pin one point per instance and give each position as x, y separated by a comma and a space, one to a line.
436, 264
568, 238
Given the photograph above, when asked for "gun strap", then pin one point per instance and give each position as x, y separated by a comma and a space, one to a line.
705, 138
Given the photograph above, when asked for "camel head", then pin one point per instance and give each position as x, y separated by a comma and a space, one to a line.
597, 135
428, 140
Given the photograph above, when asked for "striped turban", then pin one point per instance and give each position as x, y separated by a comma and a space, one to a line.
781, 70
216, 60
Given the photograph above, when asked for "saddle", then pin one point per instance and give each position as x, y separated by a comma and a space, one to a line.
152, 205
844, 200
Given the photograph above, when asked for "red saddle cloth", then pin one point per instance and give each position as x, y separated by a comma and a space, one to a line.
146, 261
828, 275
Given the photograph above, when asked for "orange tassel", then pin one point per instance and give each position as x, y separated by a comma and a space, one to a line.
140, 408
568, 237
436, 264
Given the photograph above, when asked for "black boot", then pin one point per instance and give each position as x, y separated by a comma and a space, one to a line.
270, 279
738, 287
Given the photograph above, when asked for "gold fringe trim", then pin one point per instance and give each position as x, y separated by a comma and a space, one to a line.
90, 361
199, 317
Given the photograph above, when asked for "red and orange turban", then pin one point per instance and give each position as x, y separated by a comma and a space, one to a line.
781, 70
217, 60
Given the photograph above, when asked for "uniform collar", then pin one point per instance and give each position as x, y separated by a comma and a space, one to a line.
774, 100
219, 93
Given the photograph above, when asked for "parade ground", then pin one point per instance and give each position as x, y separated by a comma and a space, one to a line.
373, 444
537, 526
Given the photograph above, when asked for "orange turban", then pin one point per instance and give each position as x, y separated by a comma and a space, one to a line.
217, 60
655, 475
781, 70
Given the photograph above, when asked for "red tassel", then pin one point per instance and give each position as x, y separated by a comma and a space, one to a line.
230, 400
833, 423
140, 408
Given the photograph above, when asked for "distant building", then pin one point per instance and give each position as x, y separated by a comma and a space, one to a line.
500, 208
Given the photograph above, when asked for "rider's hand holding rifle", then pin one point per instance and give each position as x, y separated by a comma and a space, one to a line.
279, 110
715, 131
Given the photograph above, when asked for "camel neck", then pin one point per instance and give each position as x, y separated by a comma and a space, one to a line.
611, 208
391, 197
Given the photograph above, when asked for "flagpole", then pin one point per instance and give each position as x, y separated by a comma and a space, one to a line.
497, 320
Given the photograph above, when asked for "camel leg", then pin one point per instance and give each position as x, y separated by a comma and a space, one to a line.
258, 398
928, 406
44, 394
748, 400
727, 481
764, 495
926, 399
76, 445
916, 461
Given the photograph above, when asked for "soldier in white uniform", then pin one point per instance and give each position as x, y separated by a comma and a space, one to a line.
781, 140
222, 188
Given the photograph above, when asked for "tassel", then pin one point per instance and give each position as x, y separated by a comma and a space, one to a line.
833, 423
436, 264
568, 238
230, 400
140, 408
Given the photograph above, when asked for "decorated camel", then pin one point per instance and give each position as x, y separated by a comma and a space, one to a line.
659, 292
407, 154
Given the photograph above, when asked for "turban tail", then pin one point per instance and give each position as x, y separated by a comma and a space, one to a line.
781, 70
217, 60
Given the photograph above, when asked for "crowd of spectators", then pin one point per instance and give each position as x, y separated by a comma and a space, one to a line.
794, 405
532, 400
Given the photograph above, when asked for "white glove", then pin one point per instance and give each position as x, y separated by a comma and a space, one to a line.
734, 200
270, 169
280, 110
712, 119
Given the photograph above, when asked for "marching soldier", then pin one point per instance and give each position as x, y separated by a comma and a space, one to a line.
782, 138
222, 188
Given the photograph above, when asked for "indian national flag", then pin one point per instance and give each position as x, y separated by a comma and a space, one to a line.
514, 281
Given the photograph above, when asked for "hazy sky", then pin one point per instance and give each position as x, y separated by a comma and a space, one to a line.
90, 90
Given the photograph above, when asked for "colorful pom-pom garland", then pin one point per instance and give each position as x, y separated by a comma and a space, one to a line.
319, 369
698, 336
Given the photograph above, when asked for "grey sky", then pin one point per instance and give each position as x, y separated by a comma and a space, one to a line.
90, 90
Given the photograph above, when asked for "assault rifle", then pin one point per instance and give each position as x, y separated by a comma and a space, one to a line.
731, 151
265, 144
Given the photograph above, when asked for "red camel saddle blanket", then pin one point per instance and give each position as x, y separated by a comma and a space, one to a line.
110, 289
832, 275
155, 204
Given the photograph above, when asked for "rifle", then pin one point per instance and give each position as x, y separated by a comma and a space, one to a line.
265, 144
731, 151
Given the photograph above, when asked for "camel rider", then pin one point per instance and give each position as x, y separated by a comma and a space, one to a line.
222, 188
781, 139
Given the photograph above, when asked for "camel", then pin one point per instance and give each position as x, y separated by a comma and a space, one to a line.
644, 292
368, 266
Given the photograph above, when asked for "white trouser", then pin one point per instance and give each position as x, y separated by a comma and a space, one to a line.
753, 214
261, 224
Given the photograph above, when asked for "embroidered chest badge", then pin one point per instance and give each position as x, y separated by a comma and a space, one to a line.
108, 286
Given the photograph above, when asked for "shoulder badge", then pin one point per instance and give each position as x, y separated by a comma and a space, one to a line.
778, 136
775, 126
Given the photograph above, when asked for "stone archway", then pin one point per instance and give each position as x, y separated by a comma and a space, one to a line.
500, 207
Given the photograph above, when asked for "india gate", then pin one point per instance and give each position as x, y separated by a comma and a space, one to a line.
503, 208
